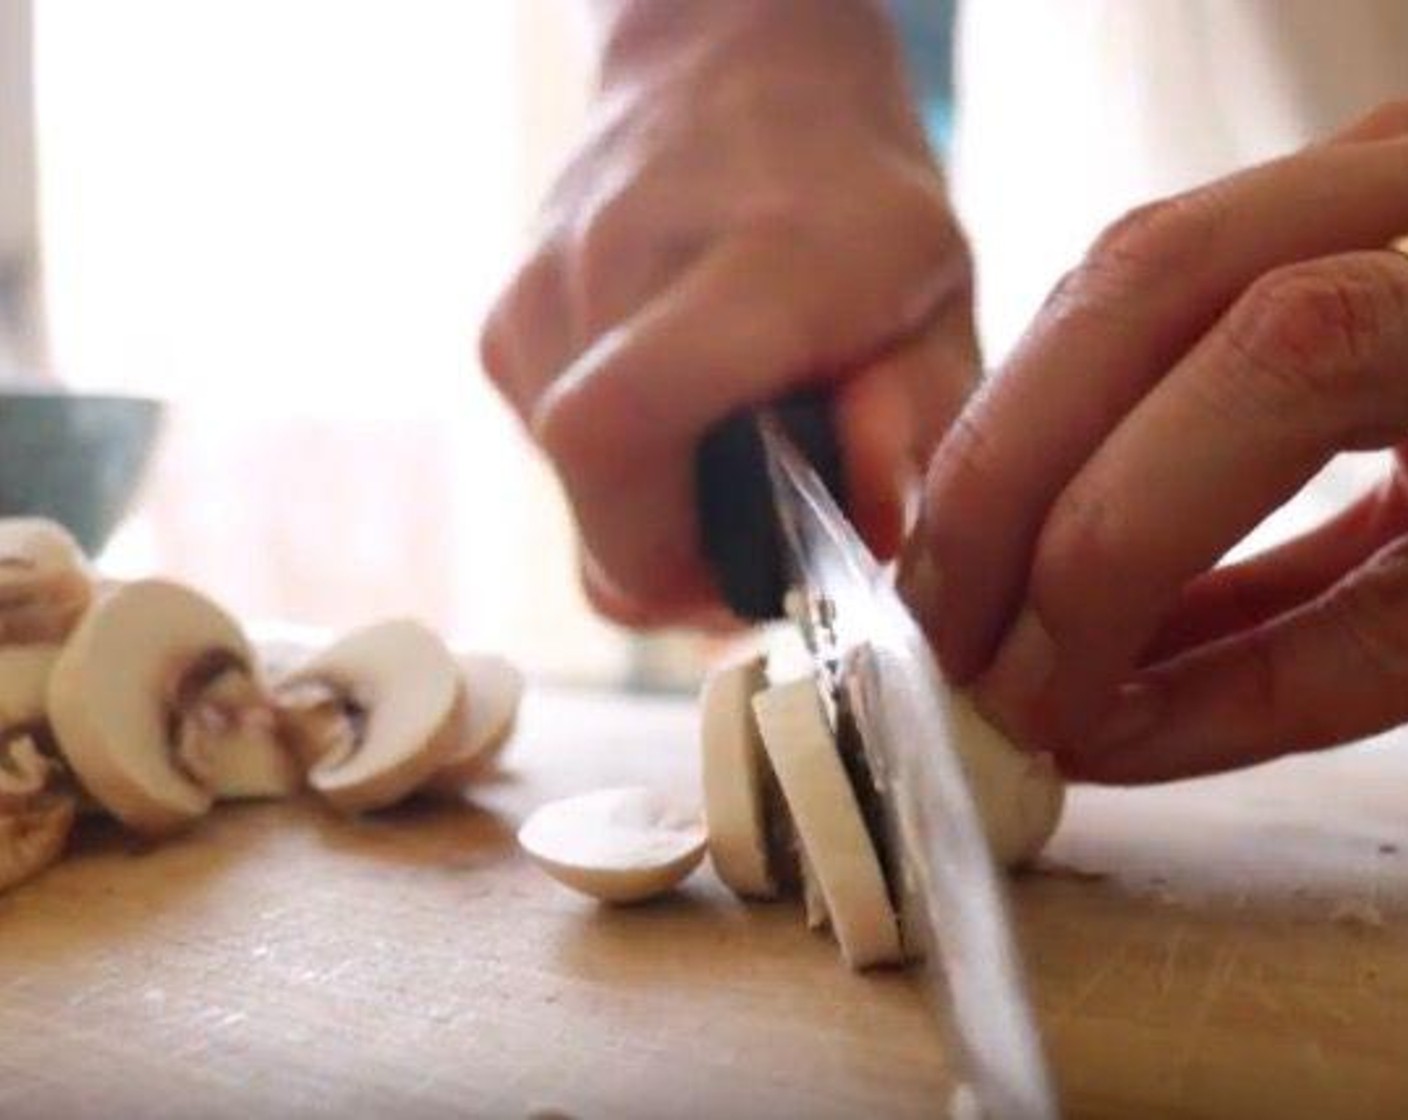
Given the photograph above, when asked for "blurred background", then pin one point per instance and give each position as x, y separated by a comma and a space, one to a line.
288, 218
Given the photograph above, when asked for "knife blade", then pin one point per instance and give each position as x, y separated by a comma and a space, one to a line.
878, 677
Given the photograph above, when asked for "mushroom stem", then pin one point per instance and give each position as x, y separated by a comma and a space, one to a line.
323, 724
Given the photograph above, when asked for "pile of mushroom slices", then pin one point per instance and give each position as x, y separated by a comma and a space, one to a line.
147, 701
789, 811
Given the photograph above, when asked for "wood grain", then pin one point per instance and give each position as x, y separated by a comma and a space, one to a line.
1233, 947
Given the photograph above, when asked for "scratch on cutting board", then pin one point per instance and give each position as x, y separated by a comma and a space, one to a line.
1219, 978
1107, 965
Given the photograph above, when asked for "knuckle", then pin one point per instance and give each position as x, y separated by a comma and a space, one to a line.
1313, 330
963, 480
1080, 546
1145, 247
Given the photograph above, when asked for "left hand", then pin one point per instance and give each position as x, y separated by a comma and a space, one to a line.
1208, 357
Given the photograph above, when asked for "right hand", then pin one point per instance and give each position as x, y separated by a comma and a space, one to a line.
754, 208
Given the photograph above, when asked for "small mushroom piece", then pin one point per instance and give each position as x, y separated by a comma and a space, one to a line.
1020, 795
617, 845
734, 766
139, 702
493, 690
45, 585
34, 821
802, 749
375, 715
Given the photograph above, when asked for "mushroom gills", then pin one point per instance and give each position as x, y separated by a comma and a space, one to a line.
617, 845
228, 738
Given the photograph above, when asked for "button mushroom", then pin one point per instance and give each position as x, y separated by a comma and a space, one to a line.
154, 706
617, 845
375, 715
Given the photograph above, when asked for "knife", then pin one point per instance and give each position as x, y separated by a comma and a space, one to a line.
769, 525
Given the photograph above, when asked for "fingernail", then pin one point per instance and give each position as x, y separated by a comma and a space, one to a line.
1023, 667
1137, 710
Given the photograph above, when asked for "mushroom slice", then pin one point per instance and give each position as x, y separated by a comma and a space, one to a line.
493, 690
617, 845
734, 766
45, 585
1020, 795
802, 748
127, 698
376, 714
813, 901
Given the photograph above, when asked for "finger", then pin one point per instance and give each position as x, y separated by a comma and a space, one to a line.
1308, 363
753, 320
892, 414
1240, 596
1382, 123
1330, 672
1149, 289
526, 340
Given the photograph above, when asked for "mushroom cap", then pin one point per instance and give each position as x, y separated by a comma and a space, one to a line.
493, 690
109, 698
733, 768
405, 680
39, 544
617, 845
24, 681
33, 838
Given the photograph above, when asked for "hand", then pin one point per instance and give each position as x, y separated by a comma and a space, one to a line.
1208, 357
754, 208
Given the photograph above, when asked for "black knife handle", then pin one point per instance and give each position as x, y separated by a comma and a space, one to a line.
741, 535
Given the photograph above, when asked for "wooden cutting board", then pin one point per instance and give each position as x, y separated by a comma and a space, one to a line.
1236, 947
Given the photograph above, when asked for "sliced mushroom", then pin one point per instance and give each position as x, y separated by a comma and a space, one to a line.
45, 585
35, 819
734, 767
493, 690
813, 901
802, 749
375, 715
140, 702
617, 845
